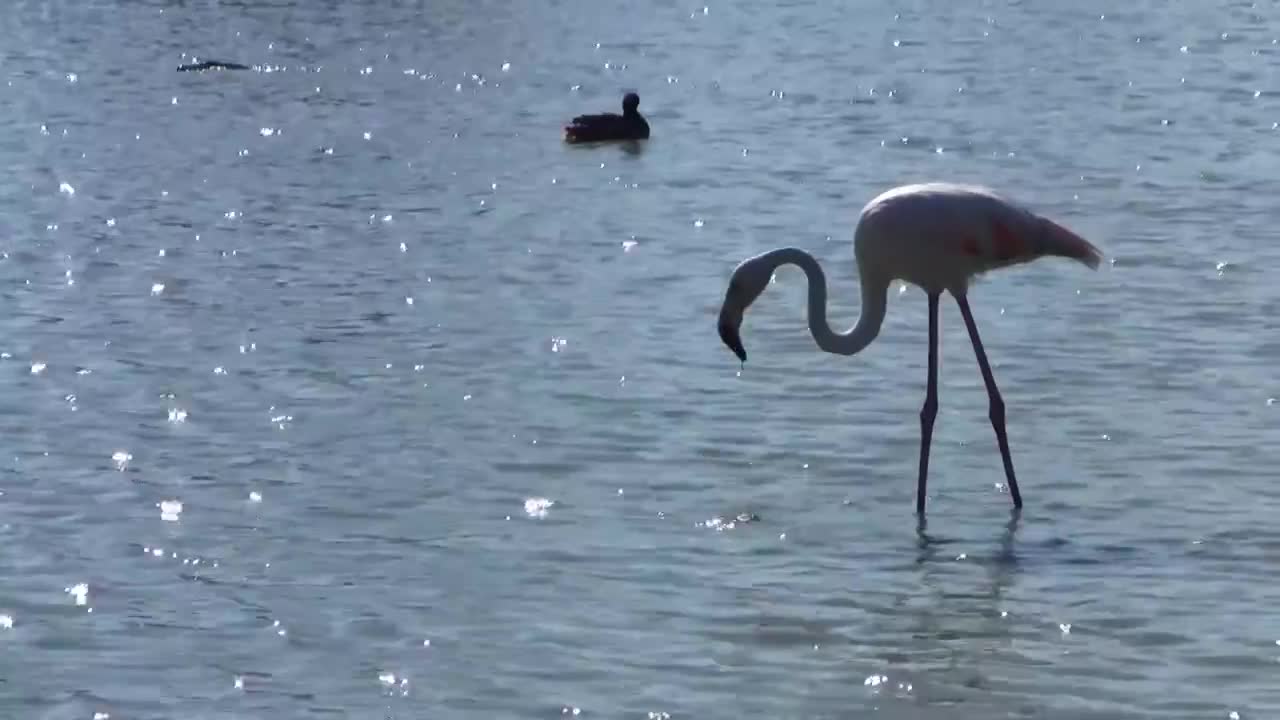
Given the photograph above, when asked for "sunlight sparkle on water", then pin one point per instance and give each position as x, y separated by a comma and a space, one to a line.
389, 680
537, 507
170, 510
6, 622
719, 524
80, 592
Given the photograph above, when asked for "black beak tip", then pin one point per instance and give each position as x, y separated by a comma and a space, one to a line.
729, 336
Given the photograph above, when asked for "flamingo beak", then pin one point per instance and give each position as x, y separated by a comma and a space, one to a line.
730, 321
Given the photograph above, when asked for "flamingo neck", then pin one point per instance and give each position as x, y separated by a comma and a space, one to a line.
875, 290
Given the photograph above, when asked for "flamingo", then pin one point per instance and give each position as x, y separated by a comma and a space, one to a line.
936, 236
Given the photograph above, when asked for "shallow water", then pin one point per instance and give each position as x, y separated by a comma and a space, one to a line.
451, 431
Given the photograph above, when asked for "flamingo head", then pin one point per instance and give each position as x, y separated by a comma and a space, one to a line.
748, 281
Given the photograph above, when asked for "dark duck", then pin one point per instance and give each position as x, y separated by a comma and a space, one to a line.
630, 125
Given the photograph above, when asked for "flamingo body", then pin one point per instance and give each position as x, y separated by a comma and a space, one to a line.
937, 236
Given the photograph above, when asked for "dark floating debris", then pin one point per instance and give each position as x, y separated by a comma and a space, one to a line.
211, 65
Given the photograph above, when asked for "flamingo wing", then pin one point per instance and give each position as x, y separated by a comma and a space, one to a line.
1009, 233
1061, 242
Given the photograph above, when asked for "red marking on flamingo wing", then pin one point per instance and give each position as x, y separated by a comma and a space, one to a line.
969, 246
1007, 243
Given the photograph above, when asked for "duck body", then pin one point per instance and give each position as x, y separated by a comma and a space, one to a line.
630, 125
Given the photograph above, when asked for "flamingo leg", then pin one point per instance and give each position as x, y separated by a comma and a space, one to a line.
997, 403
930, 409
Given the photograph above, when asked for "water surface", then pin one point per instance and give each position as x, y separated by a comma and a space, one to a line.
450, 428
